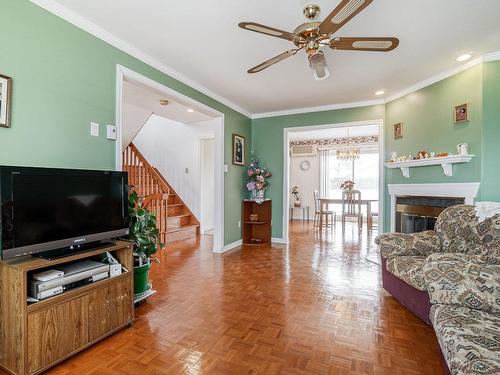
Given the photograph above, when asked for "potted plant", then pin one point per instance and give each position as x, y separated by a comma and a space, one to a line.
296, 194
257, 179
347, 185
146, 237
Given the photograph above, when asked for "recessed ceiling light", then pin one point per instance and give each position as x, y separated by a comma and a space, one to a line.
380, 92
464, 57
190, 110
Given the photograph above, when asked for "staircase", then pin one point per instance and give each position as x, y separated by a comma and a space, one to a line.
175, 221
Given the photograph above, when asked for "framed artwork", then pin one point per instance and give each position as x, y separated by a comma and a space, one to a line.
398, 130
5, 97
238, 150
461, 113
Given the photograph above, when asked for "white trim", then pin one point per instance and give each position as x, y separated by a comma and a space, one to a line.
488, 57
286, 165
123, 73
230, 246
201, 138
84, 24
466, 190
97, 31
329, 107
280, 241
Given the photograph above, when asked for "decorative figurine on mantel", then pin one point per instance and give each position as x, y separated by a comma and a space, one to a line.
257, 179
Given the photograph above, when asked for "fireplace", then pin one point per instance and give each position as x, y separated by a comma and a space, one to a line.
417, 214
420, 204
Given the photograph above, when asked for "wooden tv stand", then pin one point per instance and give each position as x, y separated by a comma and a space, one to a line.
36, 336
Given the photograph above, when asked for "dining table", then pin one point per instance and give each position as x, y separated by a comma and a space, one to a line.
325, 202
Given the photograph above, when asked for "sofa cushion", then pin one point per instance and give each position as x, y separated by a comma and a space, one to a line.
469, 339
460, 232
409, 269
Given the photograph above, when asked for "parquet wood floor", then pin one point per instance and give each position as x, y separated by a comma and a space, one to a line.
314, 307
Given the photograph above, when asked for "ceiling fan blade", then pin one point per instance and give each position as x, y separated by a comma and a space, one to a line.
365, 44
272, 61
271, 31
342, 14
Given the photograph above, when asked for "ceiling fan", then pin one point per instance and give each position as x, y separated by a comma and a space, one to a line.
313, 35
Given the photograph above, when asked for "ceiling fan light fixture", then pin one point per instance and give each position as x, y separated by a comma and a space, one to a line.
318, 65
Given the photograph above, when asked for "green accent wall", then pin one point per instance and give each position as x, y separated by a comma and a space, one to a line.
427, 117
267, 143
490, 181
64, 78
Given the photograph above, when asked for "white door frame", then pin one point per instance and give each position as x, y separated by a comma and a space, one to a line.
286, 166
202, 138
122, 73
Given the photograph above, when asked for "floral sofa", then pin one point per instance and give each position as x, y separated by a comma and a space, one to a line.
403, 255
465, 312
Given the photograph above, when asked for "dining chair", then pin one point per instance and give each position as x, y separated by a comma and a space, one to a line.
320, 215
351, 207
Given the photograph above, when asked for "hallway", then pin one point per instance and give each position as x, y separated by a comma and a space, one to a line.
314, 307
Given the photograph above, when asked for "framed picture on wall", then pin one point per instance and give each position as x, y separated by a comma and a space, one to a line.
398, 130
461, 113
5, 97
238, 150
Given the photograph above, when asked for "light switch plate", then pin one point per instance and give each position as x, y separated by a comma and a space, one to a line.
226, 169
111, 132
94, 129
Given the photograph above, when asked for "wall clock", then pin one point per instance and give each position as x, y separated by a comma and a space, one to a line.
305, 165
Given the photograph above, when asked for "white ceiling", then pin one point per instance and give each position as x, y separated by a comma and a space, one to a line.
201, 41
334, 132
147, 98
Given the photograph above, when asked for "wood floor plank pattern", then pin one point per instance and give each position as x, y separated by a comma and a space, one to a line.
314, 307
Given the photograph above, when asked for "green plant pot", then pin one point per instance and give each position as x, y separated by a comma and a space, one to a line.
141, 278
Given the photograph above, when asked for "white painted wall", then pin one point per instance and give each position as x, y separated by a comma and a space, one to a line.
172, 147
207, 181
306, 181
134, 118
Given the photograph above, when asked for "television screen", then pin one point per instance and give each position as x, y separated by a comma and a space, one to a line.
45, 209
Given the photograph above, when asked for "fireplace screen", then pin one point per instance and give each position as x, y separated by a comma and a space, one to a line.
417, 214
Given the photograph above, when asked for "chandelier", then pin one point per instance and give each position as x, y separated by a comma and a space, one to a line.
349, 152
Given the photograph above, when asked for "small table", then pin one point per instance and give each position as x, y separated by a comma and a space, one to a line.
305, 212
368, 202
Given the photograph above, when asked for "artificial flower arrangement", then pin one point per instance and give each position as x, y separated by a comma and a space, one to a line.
257, 178
347, 185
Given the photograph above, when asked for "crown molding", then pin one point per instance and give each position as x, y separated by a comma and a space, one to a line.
488, 57
84, 24
329, 107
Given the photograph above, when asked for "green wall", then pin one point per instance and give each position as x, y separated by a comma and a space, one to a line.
64, 78
490, 181
267, 142
427, 115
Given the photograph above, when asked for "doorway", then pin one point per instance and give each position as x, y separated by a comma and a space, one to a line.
127, 75
333, 169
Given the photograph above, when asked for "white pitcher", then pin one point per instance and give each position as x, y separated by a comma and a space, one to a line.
463, 149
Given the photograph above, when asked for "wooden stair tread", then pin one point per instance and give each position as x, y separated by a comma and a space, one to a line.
182, 227
177, 216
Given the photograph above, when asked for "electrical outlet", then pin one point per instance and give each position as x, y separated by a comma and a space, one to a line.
239, 223
94, 129
186, 170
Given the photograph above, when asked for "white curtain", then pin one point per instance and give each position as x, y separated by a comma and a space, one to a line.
324, 174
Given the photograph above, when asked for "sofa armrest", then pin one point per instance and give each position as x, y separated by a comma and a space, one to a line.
463, 280
402, 244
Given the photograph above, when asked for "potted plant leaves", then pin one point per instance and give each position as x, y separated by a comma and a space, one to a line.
145, 234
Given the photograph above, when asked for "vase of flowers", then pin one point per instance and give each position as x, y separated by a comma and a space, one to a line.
257, 179
296, 194
347, 185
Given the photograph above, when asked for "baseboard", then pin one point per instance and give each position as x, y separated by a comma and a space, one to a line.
230, 246
279, 240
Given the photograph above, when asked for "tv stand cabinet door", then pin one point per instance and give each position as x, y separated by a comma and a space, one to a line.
110, 308
56, 332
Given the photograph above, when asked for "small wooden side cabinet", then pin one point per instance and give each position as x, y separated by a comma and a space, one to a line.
256, 220
36, 336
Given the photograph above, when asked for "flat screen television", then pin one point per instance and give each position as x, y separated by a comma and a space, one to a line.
44, 209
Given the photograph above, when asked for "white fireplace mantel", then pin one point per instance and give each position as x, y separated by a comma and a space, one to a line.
467, 190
